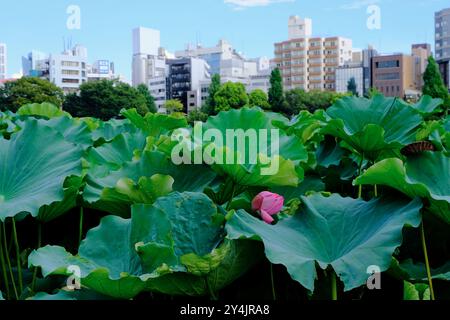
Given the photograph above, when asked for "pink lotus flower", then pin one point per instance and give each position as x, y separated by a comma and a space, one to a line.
268, 204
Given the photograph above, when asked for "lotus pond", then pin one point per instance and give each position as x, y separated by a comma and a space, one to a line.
359, 207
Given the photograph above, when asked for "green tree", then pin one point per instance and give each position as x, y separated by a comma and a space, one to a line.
434, 85
173, 106
210, 104
258, 98
150, 101
373, 92
196, 116
276, 95
104, 99
27, 90
230, 96
352, 87
298, 100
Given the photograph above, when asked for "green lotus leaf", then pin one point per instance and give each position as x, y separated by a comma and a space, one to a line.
110, 129
147, 190
426, 175
44, 110
310, 183
73, 130
111, 156
101, 192
34, 170
121, 256
72, 187
1, 296
427, 105
305, 125
252, 160
373, 126
63, 295
418, 291
155, 124
347, 234
411, 271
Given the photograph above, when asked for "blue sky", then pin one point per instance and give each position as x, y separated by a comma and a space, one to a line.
252, 26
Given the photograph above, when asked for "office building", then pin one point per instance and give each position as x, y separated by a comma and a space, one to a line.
149, 59
222, 59
393, 75
68, 70
442, 30
367, 57
36, 64
186, 78
307, 62
101, 70
420, 54
347, 72
3, 61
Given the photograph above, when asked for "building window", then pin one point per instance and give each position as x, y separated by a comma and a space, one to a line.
70, 63
70, 72
64, 80
388, 76
387, 64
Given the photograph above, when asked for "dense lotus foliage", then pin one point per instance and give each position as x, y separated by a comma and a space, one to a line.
359, 207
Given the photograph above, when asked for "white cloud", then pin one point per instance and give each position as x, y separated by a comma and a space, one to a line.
359, 4
242, 4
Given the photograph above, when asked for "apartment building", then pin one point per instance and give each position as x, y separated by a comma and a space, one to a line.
3, 61
393, 75
307, 62
442, 32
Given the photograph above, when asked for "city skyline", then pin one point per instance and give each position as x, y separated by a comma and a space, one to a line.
106, 27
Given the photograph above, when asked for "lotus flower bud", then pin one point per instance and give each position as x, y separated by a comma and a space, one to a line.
268, 204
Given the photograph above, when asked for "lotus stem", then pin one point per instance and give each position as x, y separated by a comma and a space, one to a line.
33, 282
211, 291
19, 264
232, 197
80, 234
427, 262
3, 264
272, 280
334, 295
359, 174
375, 189
8, 261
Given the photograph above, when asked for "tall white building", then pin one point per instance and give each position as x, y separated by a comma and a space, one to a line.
3, 61
68, 70
148, 56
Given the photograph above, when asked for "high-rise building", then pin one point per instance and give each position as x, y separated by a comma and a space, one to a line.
420, 53
3, 61
36, 64
442, 30
309, 63
148, 57
185, 80
393, 75
68, 70
368, 55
